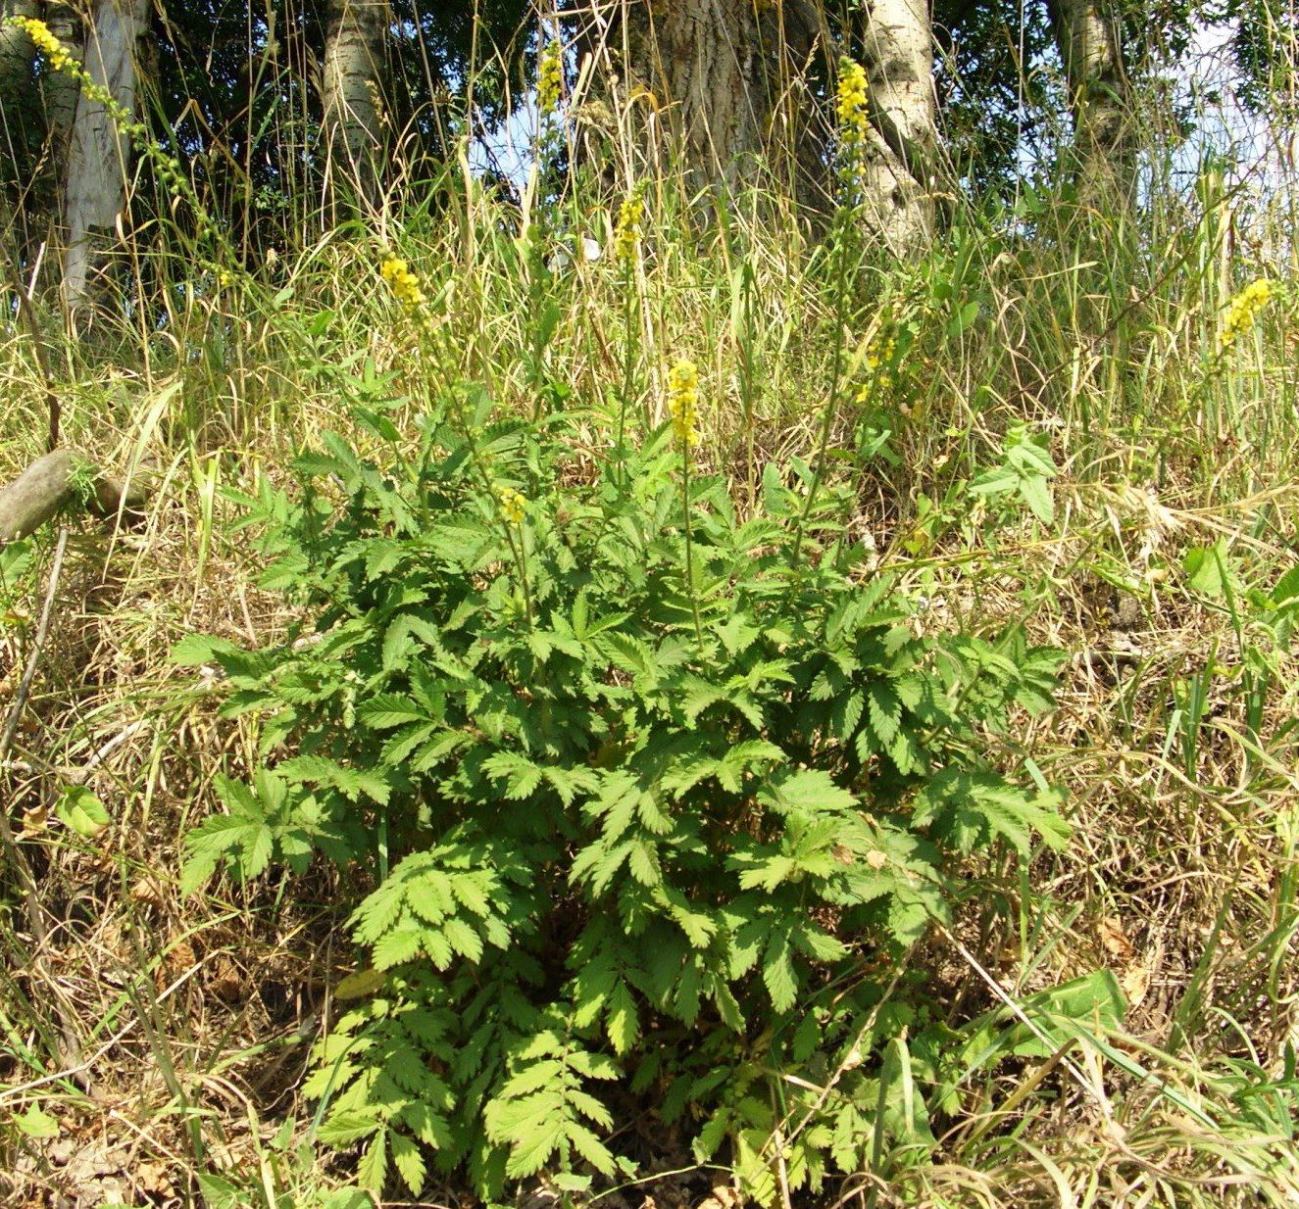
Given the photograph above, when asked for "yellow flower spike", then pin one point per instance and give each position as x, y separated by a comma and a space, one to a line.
626, 234
683, 401
1241, 312
511, 503
550, 78
46, 42
851, 109
403, 282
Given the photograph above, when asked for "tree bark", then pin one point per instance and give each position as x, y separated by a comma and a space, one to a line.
703, 59
1090, 41
16, 55
50, 482
59, 90
898, 184
724, 76
352, 89
99, 155
18, 115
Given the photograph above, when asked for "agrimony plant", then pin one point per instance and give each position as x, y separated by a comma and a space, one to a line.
618, 823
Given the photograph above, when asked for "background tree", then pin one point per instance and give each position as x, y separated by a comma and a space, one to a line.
901, 169
19, 118
260, 102
1089, 34
99, 155
726, 78
353, 88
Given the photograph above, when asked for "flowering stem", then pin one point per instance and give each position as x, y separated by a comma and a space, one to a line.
627, 361
408, 288
683, 407
690, 549
832, 405
520, 554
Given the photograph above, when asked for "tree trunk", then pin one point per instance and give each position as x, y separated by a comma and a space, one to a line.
19, 119
722, 76
702, 58
898, 185
16, 55
59, 90
1090, 41
352, 89
99, 156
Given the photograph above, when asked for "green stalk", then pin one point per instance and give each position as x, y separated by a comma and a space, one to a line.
517, 550
690, 550
627, 361
836, 370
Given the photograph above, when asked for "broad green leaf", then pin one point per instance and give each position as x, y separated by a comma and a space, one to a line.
82, 811
340, 1128
360, 984
389, 710
194, 650
36, 1123
1037, 495
397, 946
372, 1170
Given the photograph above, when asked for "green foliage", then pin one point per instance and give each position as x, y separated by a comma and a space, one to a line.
1025, 471
17, 573
630, 823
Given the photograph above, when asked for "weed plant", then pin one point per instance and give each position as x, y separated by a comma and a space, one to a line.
581, 750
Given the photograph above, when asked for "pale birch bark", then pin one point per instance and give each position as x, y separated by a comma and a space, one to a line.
1090, 41
99, 155
352, 88
898, 185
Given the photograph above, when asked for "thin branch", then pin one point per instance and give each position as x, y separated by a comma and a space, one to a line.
70, 1050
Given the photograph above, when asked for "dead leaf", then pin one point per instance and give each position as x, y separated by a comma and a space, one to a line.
1135, 982
153, 1179
724, 1196
178, 960
226, 983
147, 890
1115, 939
35, 821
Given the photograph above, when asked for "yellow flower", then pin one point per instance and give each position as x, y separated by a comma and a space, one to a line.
511, 503
404, 283
626, 235
850, 108
683, 401
550, 78
879, 367
1242, 310
39, 33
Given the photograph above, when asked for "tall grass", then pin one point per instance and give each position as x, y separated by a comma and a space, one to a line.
1174, 522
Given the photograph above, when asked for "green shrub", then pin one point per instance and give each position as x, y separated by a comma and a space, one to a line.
650, 812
